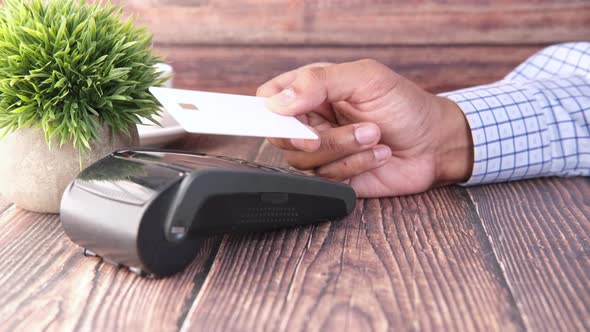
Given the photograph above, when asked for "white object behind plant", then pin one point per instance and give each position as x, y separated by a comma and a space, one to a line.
154, 136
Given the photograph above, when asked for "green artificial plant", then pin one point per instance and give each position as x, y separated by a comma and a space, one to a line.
70, 67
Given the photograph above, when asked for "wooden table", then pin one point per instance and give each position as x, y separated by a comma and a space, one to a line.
498, 257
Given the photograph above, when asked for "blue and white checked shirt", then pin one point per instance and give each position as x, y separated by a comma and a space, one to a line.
535, 122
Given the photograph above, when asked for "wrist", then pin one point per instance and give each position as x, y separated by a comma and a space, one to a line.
453, 145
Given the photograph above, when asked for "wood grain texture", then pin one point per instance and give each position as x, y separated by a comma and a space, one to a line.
413, 263
362, 22
517, 259
243, 69
4, 204
47, 284
540, 234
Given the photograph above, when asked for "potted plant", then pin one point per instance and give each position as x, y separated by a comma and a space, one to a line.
74, 81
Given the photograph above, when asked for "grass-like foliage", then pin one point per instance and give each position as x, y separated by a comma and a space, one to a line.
69, 67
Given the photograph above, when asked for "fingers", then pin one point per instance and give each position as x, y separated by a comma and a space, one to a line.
276, 84
313, 86
335, 144
282, 81
315, 122
341, 152
308, 145
356, 164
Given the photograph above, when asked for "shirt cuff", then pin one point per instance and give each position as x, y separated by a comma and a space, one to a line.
508, 131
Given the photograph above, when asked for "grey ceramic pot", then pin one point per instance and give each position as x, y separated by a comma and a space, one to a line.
34, 176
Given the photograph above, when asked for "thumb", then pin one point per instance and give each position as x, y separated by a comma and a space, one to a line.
314, 86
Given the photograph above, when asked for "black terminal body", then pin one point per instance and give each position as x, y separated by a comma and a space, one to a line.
151, 210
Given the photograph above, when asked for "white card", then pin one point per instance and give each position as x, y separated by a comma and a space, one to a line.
227, 114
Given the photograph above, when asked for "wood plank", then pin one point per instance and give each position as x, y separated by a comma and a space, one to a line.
243, 69
4, 204
540, 233
416, 262
432, 22
46, 283
366, 22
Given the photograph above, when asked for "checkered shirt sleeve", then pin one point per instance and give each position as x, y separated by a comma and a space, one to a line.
535, 122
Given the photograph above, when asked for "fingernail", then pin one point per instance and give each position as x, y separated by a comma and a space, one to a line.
307, 145
366, 134
381, 153
283, 98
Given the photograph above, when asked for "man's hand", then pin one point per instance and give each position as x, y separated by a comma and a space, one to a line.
378, 131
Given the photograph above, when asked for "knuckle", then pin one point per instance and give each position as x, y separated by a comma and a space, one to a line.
374, 67
330, 144
377, 75
314, 74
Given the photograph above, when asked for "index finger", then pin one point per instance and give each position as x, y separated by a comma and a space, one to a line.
282, 81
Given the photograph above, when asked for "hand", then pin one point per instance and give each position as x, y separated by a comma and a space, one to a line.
378, 131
